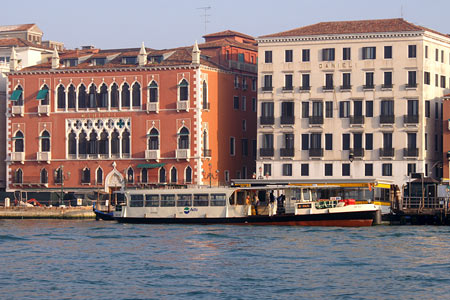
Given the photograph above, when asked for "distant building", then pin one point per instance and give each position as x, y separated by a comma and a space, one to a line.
102, 119
352, 99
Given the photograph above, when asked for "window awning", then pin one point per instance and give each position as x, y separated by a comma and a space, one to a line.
42, 94
152, 135
16, 95
150, 166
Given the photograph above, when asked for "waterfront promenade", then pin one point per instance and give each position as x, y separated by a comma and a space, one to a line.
16, 212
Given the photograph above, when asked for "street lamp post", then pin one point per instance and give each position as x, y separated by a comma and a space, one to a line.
210, 175
61, 177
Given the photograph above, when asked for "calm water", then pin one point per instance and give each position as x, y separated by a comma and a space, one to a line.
105, 260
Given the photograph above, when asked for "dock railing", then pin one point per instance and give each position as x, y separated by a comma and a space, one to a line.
425, 203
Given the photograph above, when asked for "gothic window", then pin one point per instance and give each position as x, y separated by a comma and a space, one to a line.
82, 96
72, 143
126, 142
115, 143
162, 175
45, 141
93, 148
82, 143
114, 95
103, 96
99, 179
153, 139
44, 176
183, 138
18, 176
44, 97
173, 175
125, 95
17, 96
103, 144
61, 96
86, 176
188, 175
92, 96
58, 176
205, 95
144, 174
136, 95
153, 91
183, 90
71, 97
18, 142
130, 175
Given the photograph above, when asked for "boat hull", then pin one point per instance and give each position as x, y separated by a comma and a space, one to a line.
344, 219
100, 215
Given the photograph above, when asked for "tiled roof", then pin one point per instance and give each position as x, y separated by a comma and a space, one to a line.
227, 42
349, 27
18, 42
228, 33
20, 27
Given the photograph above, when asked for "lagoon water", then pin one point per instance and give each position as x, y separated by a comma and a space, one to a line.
57, 259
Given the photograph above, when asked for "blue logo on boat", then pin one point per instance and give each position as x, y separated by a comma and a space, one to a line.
186, 210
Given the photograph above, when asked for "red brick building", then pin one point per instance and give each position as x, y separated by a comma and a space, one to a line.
100, 119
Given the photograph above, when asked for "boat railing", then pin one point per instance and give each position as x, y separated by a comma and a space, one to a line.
424, 202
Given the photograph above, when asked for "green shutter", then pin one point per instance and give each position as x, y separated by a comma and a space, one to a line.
16, 95
42, 94
150, 166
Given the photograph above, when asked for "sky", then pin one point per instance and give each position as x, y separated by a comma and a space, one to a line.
175, 23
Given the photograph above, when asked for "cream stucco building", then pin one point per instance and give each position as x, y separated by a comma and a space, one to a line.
352, 99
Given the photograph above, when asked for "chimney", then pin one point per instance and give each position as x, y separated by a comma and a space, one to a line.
13, 62
195, 54
55, 59
142, 57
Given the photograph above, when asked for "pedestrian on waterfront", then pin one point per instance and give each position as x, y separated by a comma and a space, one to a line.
271, 203
255, 203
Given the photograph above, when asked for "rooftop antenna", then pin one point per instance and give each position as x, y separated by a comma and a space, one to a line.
205, 15
401, 11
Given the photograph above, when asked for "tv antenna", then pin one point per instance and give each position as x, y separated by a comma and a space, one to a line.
205, 14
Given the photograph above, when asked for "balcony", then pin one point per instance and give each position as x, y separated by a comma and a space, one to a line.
267, 152
345, 88
357, 152
182, 105
287, 120
411, 119
412, 85
207, 152
386, 86
233, 64
368, 87
328, 88
287, 152
266, 120
152, 154
153, 107
44, 109
18, 156
316, 152
387, 152
315, 120
357, 120
182, 154
411, 152
17, 110
44, 156
288, 88
305, 88
267, 88
387, 119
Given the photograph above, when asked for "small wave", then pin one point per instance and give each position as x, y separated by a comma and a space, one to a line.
7, 237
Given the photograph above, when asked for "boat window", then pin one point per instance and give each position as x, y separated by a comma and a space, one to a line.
167, 200
136, 200
383, 194
151, 200
240, 198
120, 198
218, 199
200, 199
306, 195
184, 200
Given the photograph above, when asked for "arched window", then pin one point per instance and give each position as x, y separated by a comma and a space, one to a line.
58, 176
183, 138
114, 95
18, 176
205, 143
153, 91
72, 143
61, 97
136, 94
17, 96
99, 176
44, 176
183, 90
162, 175
45, 141
103, 96
86, 176
125, 95
71, 97
144, 174
45, 101
115, 143
153, 139
103, 144
92, 96
82, 96
18, 142
125, 142
188, 175
173, 175
93, 143
205, 95
130, 175
82, 143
